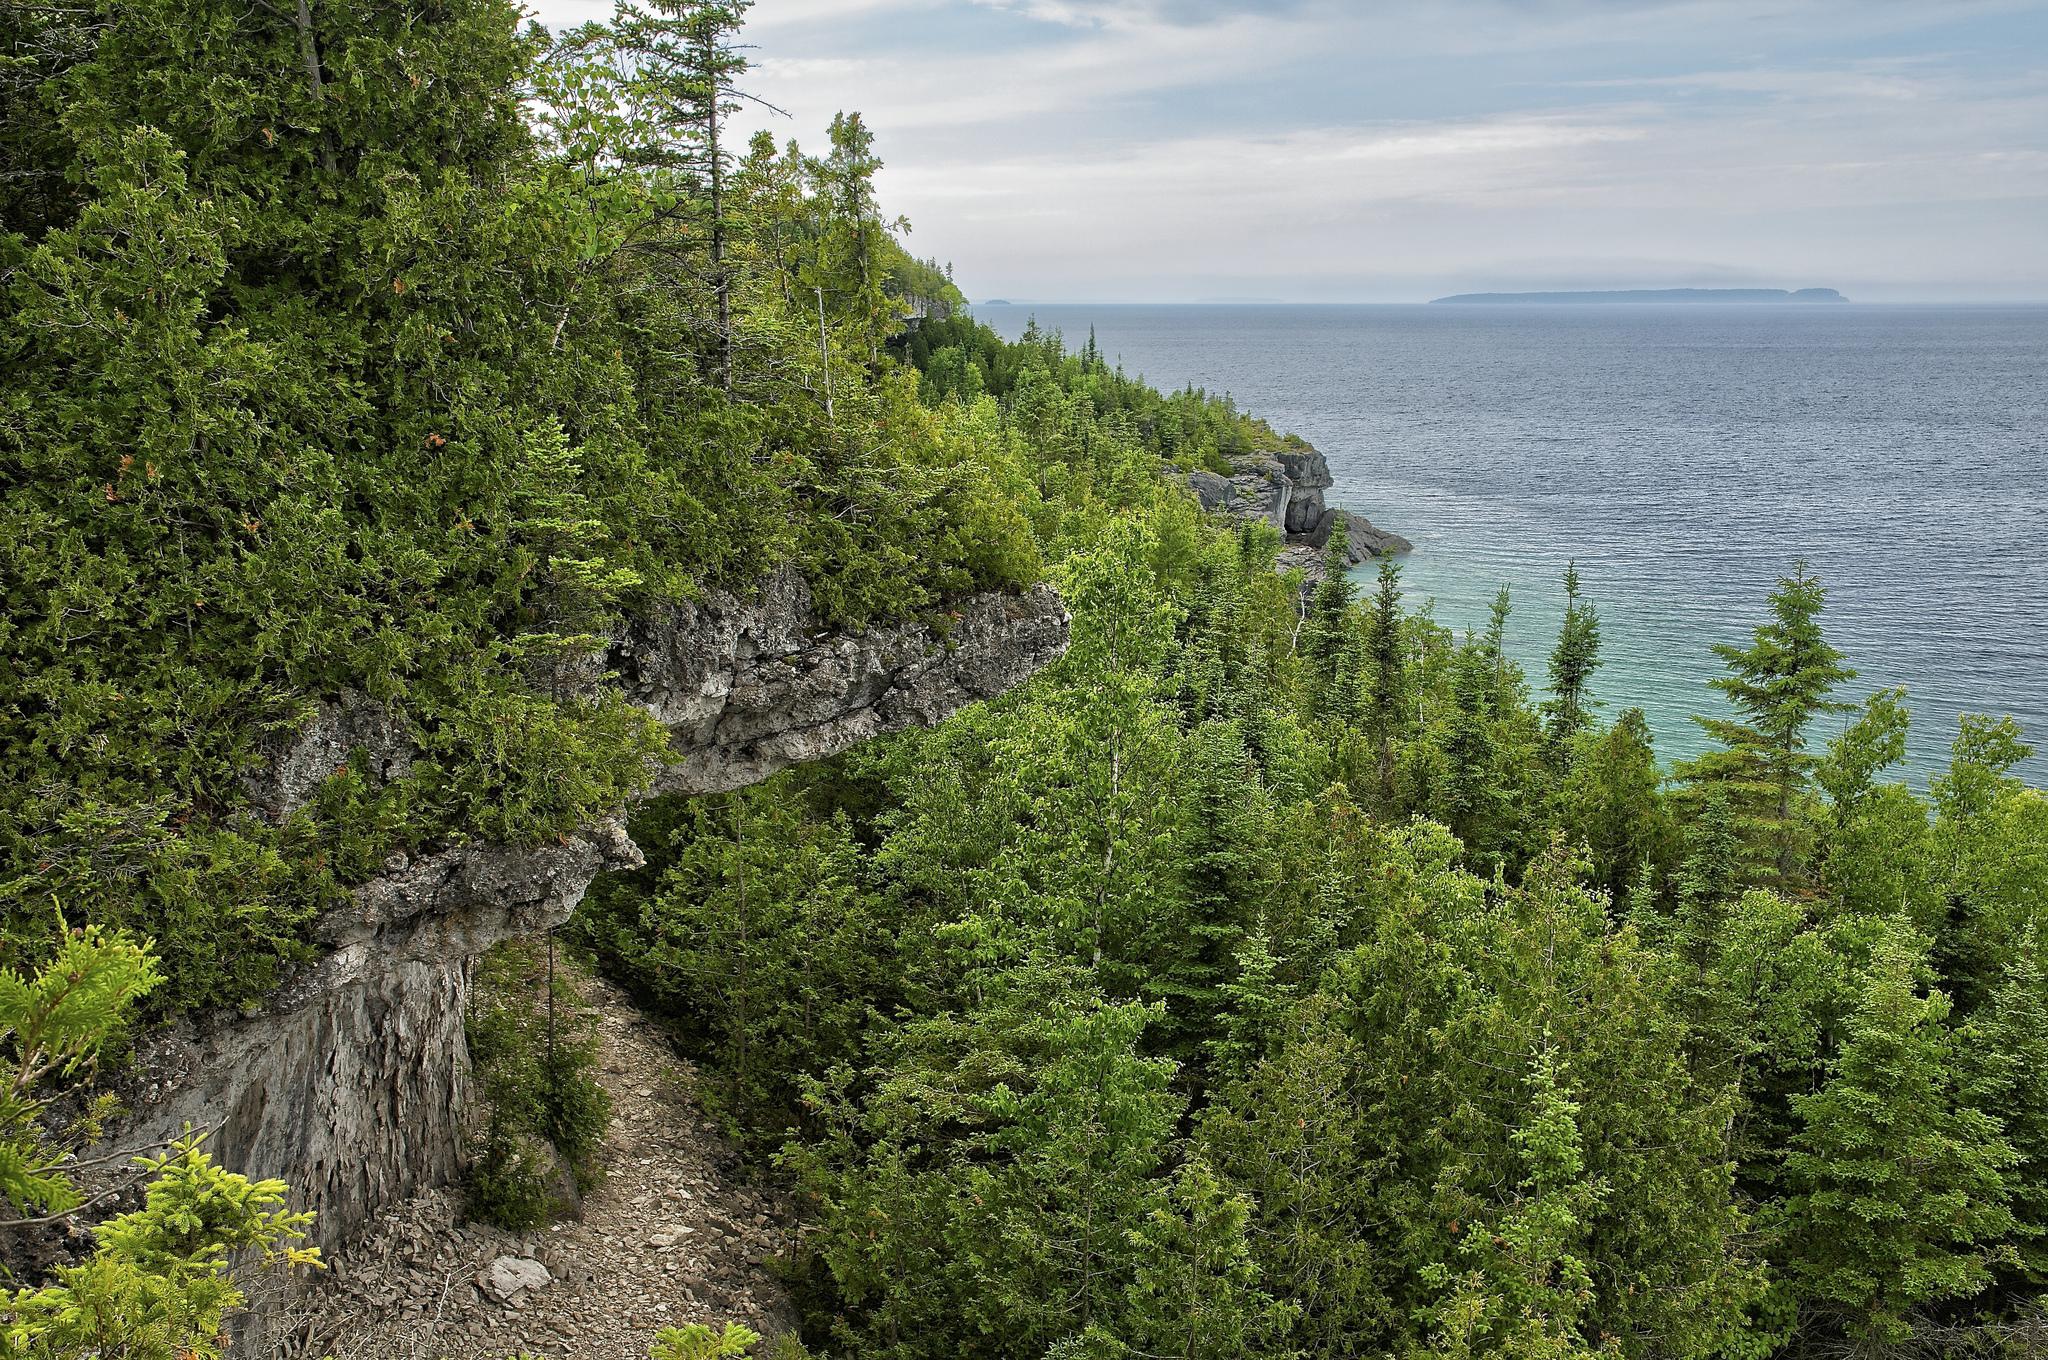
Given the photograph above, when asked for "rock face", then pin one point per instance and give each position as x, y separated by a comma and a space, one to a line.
352, 1082
1285, 488
746, 690
673, 1232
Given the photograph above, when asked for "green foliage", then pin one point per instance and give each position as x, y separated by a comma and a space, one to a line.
1778, 685
1267, 977
760, 937
695, 1341
158, 1284
533, 1047
160, 1279
1572, 663
1896, 1192
366, 351
55, 1024
1274, 976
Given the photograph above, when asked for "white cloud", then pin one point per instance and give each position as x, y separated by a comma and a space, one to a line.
1159, 147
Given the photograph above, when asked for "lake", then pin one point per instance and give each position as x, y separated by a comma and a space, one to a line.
1684, 457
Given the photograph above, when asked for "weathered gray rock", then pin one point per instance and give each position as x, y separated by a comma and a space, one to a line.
746, 690
352, 1082
1285, 488
330, 736
508, 1275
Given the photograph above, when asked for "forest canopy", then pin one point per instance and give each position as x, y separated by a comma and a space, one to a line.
402, 355
1282, 974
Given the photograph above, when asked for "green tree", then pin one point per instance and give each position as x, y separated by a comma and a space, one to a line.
1572, 663
696, 1341
1778, 685
1386, 687
2004, 1050
1330, 638
160, 1280
1612, 802
684, 67
1195, 1293
1896, 1195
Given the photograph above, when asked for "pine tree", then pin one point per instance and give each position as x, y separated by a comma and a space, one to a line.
1613, 803
1329, 638
1470, 797
1196, 1293
1496, 643
161, 1279
1224, 862
1520, 1288
1778, 684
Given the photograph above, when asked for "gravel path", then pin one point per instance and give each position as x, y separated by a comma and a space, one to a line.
669, 1236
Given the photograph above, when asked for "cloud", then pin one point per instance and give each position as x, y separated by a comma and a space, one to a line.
1332, 148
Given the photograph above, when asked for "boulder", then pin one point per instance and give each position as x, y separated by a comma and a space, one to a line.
511, 1275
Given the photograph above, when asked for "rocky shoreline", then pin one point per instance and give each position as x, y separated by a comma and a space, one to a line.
1284, 488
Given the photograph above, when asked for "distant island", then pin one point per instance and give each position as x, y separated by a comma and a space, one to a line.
998, 302
1766, 295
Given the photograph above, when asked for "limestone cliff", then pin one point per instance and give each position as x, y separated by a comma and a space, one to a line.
1285, 488
352, 1083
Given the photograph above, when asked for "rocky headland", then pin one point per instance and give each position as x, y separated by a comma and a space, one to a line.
1284, 488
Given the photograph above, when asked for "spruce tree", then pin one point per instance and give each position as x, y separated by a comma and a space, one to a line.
1572, 663
1386, 682
1613, 803
1329, 638
1778, 685
1470, 797
2005, 1056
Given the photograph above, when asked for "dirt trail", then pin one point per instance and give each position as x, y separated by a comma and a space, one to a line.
668, 1237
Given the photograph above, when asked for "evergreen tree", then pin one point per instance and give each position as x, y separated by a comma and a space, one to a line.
1329, 638
1572, 663
1896, 1191
1224, 863
686, 64
2004, 1049
1613, 803
161, 1279
1778, 685
1386, 690
1520, 1288
1196, 1293
1470, 799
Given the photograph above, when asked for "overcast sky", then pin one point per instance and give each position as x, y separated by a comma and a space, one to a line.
1394, 150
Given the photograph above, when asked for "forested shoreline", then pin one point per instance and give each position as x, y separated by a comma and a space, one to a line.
1282, 974
1276, 974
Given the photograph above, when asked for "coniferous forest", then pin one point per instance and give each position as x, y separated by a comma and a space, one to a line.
1277, 974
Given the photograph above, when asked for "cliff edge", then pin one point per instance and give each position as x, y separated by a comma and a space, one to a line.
352, 1082
1284, 488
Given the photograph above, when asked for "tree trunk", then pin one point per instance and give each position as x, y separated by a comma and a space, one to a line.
309, 52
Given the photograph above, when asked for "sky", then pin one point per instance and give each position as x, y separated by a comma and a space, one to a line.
1396, 150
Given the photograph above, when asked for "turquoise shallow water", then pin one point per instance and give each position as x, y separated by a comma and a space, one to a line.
1685, 456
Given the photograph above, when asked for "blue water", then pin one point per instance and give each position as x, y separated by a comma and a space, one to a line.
1685, 457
